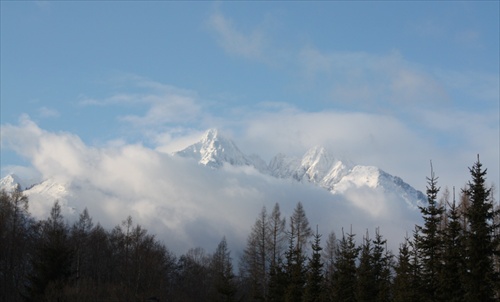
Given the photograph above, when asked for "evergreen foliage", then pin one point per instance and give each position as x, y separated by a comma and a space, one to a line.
382, 263
480, 244
329, 260
314, 283
429, 243
366, 290
344, 277
294, 268
453, 270
403, 290
224, 284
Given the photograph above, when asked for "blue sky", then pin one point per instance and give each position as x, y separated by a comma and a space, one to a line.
392, 84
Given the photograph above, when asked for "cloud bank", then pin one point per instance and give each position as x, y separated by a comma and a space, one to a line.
185, 204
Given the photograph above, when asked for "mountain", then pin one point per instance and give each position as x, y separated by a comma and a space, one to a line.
10, 183
213, 150
317, 166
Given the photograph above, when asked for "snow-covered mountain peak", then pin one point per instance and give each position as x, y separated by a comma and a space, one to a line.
10, 183
214, 150
210, 135
317, 155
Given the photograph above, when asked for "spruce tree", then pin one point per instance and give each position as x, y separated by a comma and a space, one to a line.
299, 233
481, 280
345, 272
366, 290
417, 284
430, 240
221, 268
278, 281
451, 286
314, 283
403, 290
329, 260
295, 267
382, 266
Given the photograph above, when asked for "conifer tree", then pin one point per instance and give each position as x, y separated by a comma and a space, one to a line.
366, 287
451, 287
496, 238
481, 280
295, 267
278, 281
314, 284
224, 285
345, 272
429, 242
329, 258
417, 285
382, 265
403, 290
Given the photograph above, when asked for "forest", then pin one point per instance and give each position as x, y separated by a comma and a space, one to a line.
453, 256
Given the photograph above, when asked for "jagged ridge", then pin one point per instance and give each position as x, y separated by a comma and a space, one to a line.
317, 166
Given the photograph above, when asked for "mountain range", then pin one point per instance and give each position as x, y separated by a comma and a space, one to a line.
317, 166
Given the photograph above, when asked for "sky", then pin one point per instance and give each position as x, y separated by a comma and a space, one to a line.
390, 84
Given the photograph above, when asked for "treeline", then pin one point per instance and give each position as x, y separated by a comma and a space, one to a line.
453, 256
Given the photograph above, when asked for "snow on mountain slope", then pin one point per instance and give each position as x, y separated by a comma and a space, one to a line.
373, 177
10, 183
41, 195
213, 150
317, 166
